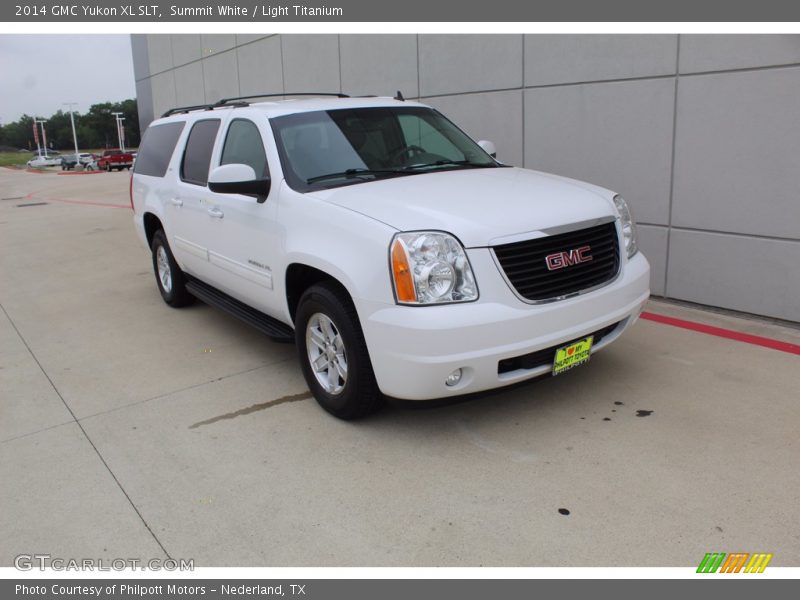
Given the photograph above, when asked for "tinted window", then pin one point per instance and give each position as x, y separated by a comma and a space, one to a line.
243, 145
197, 156
314, 145
323, 149
422, 133
156, 149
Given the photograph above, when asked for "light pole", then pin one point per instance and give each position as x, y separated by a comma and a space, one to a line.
78, 165
44, 138
119, 120
122, 134
36, 137
44, 135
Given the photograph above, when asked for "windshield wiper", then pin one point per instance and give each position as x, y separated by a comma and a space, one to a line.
350, 173
360, 172
447, 163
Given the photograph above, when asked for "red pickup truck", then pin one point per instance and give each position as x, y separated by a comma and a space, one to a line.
115, 159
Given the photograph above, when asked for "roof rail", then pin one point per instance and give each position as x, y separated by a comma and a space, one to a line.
239, 101
225, 101
186, 109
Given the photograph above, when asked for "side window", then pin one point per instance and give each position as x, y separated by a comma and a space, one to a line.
156, 149
197, 156
243, 145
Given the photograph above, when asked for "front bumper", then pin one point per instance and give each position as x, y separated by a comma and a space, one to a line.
414, 349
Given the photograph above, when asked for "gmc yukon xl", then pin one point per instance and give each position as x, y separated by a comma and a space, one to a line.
399, 255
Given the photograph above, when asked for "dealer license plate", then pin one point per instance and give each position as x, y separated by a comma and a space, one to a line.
572, 355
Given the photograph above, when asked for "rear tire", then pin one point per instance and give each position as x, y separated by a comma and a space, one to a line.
169, 277
333, 354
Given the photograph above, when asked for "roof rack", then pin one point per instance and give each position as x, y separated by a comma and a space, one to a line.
188, 109
185, 109
277, 95
239, 101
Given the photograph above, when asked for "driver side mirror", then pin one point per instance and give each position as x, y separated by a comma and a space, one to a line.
488, 147
238, 179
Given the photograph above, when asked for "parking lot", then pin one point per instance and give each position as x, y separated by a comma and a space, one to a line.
130, 429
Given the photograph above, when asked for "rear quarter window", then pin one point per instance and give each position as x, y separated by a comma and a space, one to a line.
156, 149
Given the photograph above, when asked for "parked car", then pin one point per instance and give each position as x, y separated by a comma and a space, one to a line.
398, 254
115, 159
69, 161
42, 161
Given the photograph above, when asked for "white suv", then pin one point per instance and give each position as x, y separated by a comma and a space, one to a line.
398, 254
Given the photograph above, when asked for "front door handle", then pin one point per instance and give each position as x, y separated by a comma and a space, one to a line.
176, 201
216, 212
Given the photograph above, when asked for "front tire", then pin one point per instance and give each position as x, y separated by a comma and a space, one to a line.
333, 354
169, 277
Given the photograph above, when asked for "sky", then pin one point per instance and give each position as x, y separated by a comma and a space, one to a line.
39, 73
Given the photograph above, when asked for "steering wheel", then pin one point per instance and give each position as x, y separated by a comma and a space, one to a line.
409, 152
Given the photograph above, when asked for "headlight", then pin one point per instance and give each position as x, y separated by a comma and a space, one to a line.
430, 267
628, 226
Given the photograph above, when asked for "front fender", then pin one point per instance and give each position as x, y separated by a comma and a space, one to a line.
348, 246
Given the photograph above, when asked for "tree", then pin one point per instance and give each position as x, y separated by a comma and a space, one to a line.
18, 134
59, 131
101, 120
95, 129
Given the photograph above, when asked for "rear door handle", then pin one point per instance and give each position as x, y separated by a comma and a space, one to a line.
176, 201
216, 212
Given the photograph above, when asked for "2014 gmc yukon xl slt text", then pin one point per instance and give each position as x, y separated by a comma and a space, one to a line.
398, 254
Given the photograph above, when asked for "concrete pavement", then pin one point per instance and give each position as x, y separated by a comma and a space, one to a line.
130, 429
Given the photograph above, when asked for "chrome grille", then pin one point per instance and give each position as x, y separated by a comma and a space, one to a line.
525, 263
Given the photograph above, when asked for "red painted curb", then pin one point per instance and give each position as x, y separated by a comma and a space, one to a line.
80, 173
729, 334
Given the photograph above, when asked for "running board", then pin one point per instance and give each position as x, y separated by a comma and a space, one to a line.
277, 331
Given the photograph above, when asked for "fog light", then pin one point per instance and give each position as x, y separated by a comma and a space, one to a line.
453, 378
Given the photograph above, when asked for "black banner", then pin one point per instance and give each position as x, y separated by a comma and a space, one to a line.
710, 586
237, 11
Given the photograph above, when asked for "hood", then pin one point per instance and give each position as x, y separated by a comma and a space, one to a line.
478, 206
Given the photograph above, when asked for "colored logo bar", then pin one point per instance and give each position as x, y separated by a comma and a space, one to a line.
736, 562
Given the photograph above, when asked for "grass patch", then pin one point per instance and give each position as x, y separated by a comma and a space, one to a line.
8, 159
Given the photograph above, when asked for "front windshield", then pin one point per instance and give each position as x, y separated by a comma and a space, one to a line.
331, 148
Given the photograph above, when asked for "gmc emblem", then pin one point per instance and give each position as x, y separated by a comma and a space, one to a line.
561, 260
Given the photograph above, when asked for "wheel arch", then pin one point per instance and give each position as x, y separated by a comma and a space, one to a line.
151, 224
301, 276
